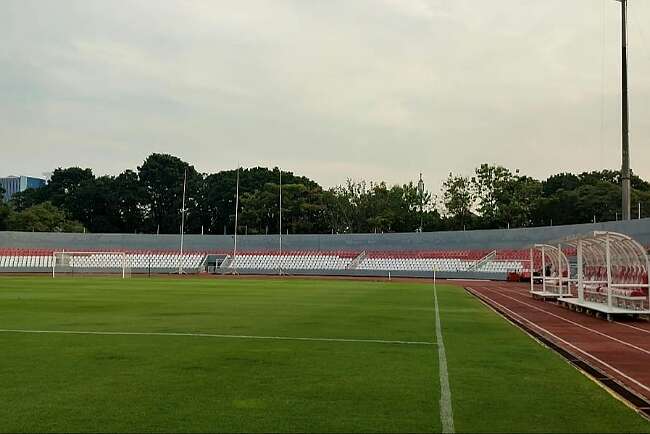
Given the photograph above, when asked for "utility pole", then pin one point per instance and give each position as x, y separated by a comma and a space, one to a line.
625, 167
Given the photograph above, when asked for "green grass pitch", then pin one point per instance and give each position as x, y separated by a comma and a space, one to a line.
501, 380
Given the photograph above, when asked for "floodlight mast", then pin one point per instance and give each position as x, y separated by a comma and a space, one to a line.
421, 194
280, 206
180, 258
234, 252
625, 167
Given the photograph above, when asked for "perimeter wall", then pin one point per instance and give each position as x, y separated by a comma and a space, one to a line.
483, 239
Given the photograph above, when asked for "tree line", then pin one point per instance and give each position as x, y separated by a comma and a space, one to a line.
149, 200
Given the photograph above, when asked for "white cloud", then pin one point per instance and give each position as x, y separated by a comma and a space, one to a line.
381, 89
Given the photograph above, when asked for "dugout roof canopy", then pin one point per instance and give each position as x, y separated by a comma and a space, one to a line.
623, 249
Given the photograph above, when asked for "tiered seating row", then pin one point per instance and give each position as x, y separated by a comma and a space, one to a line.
137, 260
292, 261
296, 253
414, 264
26, 259
448, 260
439, 264
502, 267
433, 254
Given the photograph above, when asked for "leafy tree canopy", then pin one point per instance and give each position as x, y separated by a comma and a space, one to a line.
149, 199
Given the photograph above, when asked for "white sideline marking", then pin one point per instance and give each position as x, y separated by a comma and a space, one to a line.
643, 350
591, 356
446, 411
209, 335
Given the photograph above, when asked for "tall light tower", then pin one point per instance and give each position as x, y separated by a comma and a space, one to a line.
280, 207
421, 194
183, 210
625, 167
234, 251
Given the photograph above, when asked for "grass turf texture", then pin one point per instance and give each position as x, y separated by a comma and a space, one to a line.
501, 380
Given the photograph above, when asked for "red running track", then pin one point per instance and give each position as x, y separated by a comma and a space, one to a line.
620, 350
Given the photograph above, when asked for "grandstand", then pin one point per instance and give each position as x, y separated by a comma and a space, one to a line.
490, 254
43, 260
299, 262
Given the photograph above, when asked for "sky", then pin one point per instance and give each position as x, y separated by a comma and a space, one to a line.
332, 89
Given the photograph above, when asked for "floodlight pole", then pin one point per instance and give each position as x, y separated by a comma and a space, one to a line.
280, 204
180, 258
625, 168
234, 252
421, 194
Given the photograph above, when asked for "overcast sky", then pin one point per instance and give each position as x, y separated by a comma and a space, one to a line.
368, 89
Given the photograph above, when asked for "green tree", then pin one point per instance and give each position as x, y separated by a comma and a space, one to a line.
599, 199
377, 207
43, 217
516, 199
30, 197
5, 212
151, 198
340, 210
561, 181
641, 197
63, 187
458, 199
161, 177
303, 209
217, 196
128, 197
488, 185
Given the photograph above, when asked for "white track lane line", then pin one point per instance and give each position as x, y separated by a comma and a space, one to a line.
591, 356
632, 327
446, 410
615, 322
209, 335
643, 350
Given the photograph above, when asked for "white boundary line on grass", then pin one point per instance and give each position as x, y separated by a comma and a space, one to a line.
446, 411
210, 335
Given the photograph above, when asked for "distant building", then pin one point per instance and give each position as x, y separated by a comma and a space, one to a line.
14, 184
